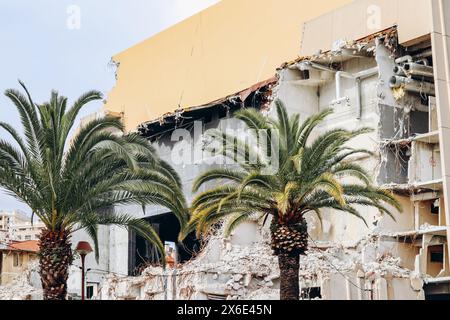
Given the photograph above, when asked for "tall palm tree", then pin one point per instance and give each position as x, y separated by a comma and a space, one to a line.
72, 184
313, 175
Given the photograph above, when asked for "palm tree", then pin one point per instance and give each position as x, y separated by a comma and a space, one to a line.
73, 184
312, 176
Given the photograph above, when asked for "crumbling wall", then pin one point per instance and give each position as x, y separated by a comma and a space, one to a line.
347, 260
24, 287
425, 164
404, 221
317, 92
227, 271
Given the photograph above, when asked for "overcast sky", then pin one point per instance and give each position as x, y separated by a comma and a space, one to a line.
42, 45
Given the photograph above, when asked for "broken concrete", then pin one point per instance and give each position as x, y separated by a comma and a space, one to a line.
347, 260
24, 287
251, 272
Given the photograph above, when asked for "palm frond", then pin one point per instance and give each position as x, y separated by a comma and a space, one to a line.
313, 176
69, 183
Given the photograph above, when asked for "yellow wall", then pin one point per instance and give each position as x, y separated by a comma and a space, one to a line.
365, 17
220, 51
9, 272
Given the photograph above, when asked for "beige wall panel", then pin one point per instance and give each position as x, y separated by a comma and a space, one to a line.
221, 51
359, 19
414, 19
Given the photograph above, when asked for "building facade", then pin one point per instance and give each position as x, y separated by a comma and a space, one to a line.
377, 65
15, 259
191, 72
17, 226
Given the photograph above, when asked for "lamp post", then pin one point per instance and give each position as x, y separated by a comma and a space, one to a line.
83, 248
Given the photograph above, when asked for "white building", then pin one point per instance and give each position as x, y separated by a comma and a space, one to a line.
17, 226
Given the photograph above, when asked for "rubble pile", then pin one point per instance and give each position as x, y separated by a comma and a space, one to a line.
21, 288
264, 294
340, 259
248, 272
239, 271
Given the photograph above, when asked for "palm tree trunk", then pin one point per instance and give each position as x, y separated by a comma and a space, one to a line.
289, 278
55, 257
289, 242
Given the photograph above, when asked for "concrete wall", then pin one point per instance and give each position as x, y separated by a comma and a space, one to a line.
308, 99
9, 272
404, 221
441, 55
425, 165
383, 288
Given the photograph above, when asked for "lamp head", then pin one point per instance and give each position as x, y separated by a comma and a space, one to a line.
83, 248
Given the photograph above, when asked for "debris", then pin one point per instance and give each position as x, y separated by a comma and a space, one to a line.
250, 272
21, 287
416, 282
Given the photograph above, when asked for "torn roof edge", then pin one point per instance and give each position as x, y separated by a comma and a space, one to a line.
363, 41
242, 95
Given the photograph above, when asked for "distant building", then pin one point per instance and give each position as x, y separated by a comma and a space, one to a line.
17, 226
15, 259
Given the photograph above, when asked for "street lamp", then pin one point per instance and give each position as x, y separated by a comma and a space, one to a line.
83, 248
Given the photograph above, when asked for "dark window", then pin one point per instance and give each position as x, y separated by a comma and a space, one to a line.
142, 253
305, 74
437, 291
435, 207
311, 293
437, 257
89, 292
437, 254
438, 297
17, 260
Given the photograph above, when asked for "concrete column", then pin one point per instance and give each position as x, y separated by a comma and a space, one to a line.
348, 289
441, 57
446, 260
382, 289
426, 240
416, 215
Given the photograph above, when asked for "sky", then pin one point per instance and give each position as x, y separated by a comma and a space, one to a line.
67, 46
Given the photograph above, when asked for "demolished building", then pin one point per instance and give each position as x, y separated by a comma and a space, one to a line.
395, 80
376, 65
